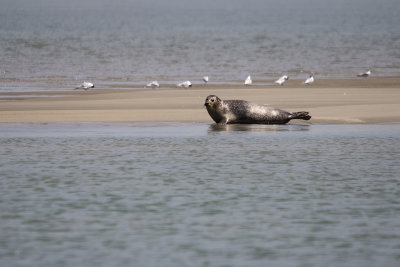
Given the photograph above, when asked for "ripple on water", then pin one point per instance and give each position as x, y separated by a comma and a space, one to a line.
182, 193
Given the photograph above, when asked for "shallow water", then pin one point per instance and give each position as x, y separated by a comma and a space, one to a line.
55, 45
195, 194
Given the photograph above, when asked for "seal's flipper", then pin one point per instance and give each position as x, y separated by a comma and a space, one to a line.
301, 115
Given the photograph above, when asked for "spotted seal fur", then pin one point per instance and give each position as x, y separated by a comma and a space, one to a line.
244, 112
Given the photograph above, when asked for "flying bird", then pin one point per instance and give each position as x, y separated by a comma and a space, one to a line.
248, 81
153, 84
85, 86
185, 84
364, 74
309, 81
282, 80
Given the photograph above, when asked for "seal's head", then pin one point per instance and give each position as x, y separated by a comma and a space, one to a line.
215, 107
213, 102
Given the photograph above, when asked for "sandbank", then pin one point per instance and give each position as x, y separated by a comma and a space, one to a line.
358, 100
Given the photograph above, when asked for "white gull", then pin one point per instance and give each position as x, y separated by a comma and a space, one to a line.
185, 84
85, 85
282, 80
153, 84
364, 74
248, 81
310, 80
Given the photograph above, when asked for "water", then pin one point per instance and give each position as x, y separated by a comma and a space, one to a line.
55, 45
195, 194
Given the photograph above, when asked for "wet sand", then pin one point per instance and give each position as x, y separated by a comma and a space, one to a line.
358, 100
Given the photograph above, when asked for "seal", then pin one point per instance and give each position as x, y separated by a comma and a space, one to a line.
244, 112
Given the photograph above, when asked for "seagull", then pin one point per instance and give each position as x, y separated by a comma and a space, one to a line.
364, 74
309, 81
282, 80
205, 79
185, 84
85, 86
248, 81
153, 85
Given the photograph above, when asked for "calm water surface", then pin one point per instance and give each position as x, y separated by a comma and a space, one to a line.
56, 44
194, 194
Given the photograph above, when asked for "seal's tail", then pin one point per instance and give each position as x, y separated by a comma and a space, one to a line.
301, 115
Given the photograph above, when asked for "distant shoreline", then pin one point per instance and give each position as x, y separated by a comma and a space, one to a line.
355, 100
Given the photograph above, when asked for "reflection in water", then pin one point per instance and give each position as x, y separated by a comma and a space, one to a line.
173, 194
257, 127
